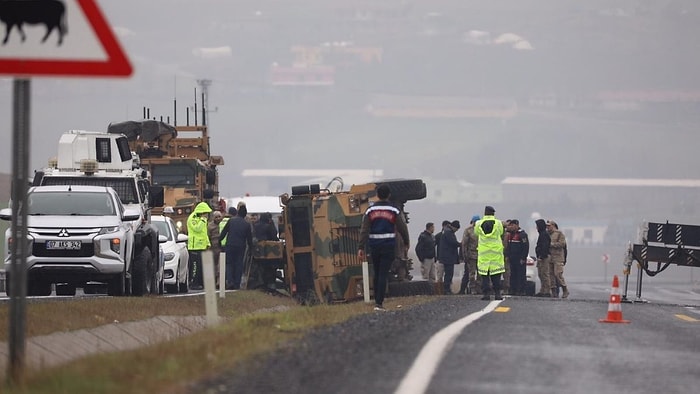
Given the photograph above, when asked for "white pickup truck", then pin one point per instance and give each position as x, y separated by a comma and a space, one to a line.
77, 235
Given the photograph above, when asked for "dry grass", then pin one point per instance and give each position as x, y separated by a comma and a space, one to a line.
167, 367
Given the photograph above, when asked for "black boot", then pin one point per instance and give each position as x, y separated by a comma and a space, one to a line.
498, 296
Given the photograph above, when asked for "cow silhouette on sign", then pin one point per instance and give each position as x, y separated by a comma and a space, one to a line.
51, 13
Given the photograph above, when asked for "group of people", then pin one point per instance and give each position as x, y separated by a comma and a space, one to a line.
233, 234
495, 253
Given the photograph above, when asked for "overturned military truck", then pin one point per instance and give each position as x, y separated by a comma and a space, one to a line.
321, 231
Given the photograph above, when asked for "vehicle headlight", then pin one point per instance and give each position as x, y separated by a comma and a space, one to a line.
169, 256
115, 245
108, 230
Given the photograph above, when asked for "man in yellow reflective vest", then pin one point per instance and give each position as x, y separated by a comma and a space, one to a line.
490, 262
197, 241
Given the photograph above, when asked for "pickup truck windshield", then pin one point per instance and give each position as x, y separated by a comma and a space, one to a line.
70, 203
125, 187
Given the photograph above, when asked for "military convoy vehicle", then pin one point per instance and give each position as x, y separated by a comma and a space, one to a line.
178, 159
321, 231
94, 158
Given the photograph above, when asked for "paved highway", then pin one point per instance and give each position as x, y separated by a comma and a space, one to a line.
519, 345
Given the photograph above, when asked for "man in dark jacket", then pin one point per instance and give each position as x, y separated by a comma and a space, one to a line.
439, 268
239, 237
449, 253
380, 225
265, 230
425, 251
517, 250
542, 252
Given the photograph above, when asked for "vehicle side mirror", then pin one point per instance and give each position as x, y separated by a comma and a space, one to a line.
182, 238
131, 214
162, 238
6, 214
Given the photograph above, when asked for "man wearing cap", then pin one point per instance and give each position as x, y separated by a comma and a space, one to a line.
449, 253
490, 262
557, 249
517, 250
469, 253
380, 225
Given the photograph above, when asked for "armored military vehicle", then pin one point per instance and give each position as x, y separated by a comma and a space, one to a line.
321, 231
178, 159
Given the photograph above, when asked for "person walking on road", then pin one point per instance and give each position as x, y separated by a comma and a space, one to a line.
517, 250
543, 259
449, 254
380, 225
470, 255
425, 251
557, 248
490, 262
197, 241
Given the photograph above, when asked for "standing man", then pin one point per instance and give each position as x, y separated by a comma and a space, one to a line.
469, 252
239, 237
380, 224
557, 248
213, 232
543, 259
197, 241
264, 230
490, 263
439, 268
517, 250
449, 253
425, 251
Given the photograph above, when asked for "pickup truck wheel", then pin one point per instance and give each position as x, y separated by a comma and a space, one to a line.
39, 288
65, 289
142, 280
117, 285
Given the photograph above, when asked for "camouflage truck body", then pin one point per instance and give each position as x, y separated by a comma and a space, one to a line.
321, 236
179, 160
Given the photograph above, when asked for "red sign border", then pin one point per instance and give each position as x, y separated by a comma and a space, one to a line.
116, 64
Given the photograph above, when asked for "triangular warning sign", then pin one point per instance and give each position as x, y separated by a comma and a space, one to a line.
58, 38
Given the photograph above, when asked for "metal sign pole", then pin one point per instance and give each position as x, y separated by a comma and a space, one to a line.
18, 272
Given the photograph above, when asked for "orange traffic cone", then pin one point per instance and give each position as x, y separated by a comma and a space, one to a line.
614, 308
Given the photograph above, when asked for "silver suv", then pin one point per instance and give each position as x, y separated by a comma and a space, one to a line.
76, 235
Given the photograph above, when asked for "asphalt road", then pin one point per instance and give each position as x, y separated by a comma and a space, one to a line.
520, 345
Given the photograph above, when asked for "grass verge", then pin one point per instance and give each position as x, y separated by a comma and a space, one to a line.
255, 324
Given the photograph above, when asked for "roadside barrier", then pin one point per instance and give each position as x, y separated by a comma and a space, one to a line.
614, 306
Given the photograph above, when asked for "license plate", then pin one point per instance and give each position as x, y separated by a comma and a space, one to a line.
72, 245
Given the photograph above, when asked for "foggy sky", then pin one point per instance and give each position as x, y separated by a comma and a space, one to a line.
580, 48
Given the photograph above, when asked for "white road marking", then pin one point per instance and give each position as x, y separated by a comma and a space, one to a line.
418, 377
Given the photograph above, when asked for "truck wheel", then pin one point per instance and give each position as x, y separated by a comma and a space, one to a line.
65, 289
39, 288
406, 189
117, 286
142, 280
